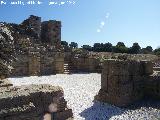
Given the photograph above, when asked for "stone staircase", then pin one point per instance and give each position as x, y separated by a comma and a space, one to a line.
68, 68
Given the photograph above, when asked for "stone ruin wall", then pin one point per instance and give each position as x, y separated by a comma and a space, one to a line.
35, 63
21, 103
93, 62
32, 26
152, 86
86, 65
125, 82
36, 60
51, 33
17, 103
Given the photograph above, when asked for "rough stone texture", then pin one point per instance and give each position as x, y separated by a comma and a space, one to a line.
59, 63
38, 63
20, 66
156, 68
152, 88
33, 23
51, 32
124, 82
34, 63
7, 49
47, 63
86, 64
38, 47
32, 102
5, 83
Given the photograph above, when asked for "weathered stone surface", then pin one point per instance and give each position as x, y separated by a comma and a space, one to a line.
156, 68
32, 25
124, 82
31, 102
85, 64
51, 33
37, 47
5, 83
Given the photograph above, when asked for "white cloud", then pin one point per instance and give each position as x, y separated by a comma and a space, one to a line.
62, 3
107, 15
98, 30
102, 23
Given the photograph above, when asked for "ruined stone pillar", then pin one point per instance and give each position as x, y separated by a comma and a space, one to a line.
59, 62
34, 63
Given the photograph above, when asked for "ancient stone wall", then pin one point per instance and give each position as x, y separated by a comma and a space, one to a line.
85, 64
37, 63
124, 82
20, 66
59, 62
152, 86
32, 102
47, 63
34, 63
51, 33
33, 23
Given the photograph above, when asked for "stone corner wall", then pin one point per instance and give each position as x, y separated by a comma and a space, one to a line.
32, 102
124, 82
152, 86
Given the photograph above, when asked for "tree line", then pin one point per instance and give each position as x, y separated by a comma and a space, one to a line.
119, 48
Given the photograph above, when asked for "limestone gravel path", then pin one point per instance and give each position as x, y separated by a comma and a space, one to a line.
79, 91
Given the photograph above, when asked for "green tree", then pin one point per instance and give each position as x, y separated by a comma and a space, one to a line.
97, 47
64, 43
120, 48
157, 51
107, 47
73, 45
135, 49
147, 50
87, 47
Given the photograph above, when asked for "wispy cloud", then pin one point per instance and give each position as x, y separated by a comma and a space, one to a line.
107, 15
98, 30
102, 23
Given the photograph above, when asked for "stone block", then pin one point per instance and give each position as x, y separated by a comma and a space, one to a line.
30, 102
67, 113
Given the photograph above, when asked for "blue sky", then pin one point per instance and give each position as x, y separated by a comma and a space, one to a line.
92, 21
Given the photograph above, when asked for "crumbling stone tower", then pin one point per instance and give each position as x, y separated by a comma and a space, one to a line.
33, 23
51, 33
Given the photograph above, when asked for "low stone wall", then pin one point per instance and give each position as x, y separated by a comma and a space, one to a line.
47, 64
86, 65
36, 63
32, 102
124, 82
20, 66
152, 86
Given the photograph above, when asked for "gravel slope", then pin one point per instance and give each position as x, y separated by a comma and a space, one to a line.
79, 91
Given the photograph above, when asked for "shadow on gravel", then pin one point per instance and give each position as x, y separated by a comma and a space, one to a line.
101, 111
146, 102
104, 111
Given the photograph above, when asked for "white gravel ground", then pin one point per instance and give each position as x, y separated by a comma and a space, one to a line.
79, 91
